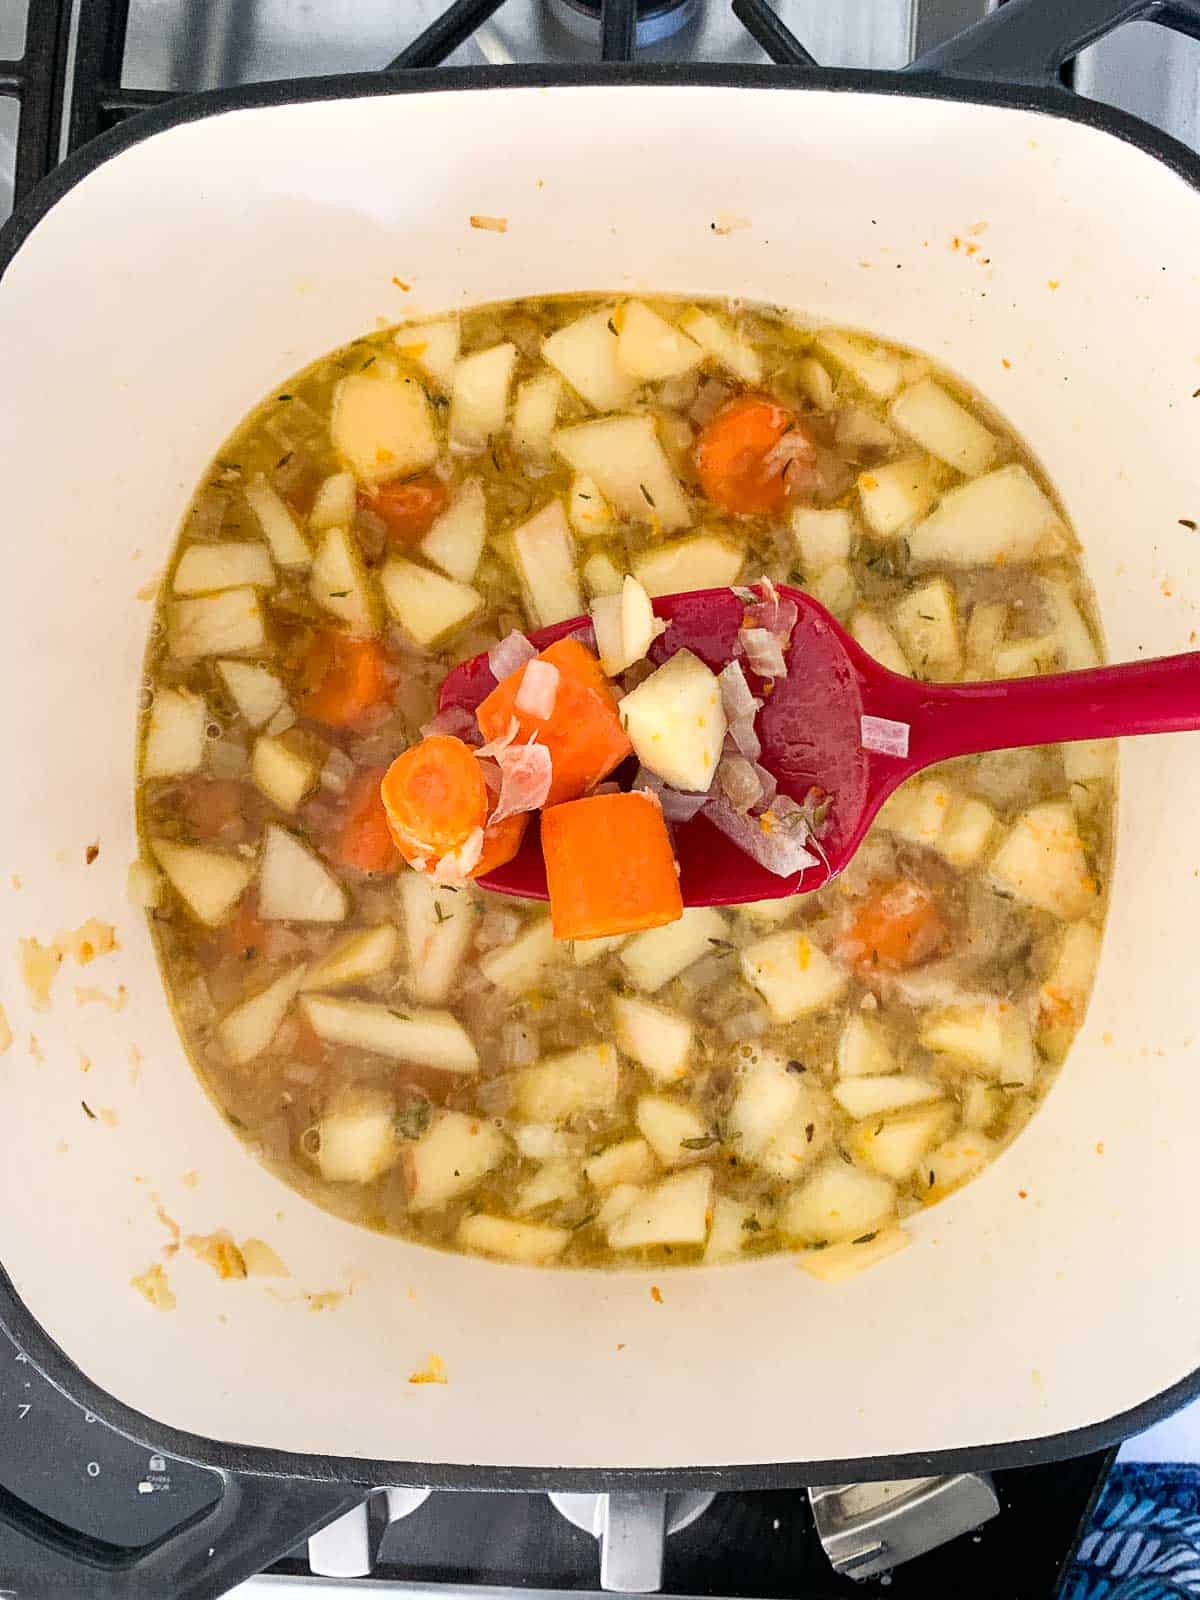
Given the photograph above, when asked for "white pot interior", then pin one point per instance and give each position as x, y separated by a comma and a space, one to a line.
160, 299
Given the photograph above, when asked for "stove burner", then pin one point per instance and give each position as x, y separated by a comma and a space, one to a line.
656, 19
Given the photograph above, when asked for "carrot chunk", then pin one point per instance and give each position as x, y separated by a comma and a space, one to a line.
897, 926
610, 867
363, 839
736, 458
345, 679
434, 796
408, 507
583, 733
501, 841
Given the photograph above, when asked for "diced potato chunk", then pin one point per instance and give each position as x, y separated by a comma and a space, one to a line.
896, 495
842, 1261
793, 975
585, 951
631, 1161
918, 811
247, 1030
617, 1203
479, 396
990, 1036
450, 1158
438, 927
769, 913
835, 589
869, 1096
878, 640
434, 347
382, 428
335, 503
722, 343
1089, 765
1025, 658
960, 1158
733, 1225
1062, 998
564, 1085
653, 958
455, 542
1043, 862
784, 1120
585, 352
649, 349
823, 538
359, 956
982, 1104
544, 552
553, 1183
281, 772
657, 1039
175, 740
227, 564
294, 885
897, 1147
518, 967
1077, 647
535, 411
216, 624
939, 424
513, 1241
816, 383
357, 1138
838, 1202
339, 583
1001, 516
927, 622
288, 546
701, 562
257, 693
675, 1213
426, 605
877, 370
601, 576
968, 832
863, 1049
429, 1038
623, 455
625, 627
208, 881
588, 512
676, 722
675, 1131
986, 626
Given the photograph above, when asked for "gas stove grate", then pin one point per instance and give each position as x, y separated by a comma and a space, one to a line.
35, 82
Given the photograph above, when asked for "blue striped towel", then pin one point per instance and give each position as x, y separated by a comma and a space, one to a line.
1144, 1539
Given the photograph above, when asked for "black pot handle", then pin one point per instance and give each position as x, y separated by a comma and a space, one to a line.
1028, 41
255, 1522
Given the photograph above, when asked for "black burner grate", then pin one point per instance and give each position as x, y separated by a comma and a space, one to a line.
35, 82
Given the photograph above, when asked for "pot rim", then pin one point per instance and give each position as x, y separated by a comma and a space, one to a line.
262, 1461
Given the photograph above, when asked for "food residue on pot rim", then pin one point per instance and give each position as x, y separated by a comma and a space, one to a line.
88, 994
153, 1286
6, 1034
490, 224
40, 963
219, 1252
434, 1371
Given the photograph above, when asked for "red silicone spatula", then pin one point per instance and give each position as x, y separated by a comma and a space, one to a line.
811, 728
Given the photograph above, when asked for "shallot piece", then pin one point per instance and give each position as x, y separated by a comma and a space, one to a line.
773, 844
763, 652
510, 655
769, 782
741, 708
538, 690
885, 737
738, 781
678, 805
502, 741
527, 773
457, 722
492, 775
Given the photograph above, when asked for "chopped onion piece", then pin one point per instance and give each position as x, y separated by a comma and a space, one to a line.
502, 741
770, 784
526, 772
538, 690
739, 703
510, 655
457, 722
763, 652
492, 776
739, 782
885, 737
337, 771
677, 804
775, 846
456, 867
744, 738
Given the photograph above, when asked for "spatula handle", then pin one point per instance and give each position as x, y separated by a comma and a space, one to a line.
1158, 696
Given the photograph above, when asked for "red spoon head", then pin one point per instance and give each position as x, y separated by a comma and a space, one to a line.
810, 727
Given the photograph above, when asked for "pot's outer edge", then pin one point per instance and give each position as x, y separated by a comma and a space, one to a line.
263, 1462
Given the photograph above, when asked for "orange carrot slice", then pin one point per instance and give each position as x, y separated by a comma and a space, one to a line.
435, 797
345, 679
501, 841
610, 867
583, 733
408, 507
363, 840
734, 456
897, 926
